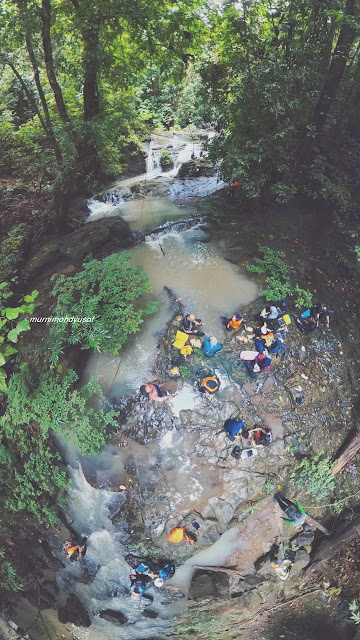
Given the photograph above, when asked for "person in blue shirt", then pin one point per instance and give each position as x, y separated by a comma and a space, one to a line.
233, 429
211, 346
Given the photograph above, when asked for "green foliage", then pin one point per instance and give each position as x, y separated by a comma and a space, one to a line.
54, 404
283, 192
354, 608
31, 479
304, 297
9, 579
357, 251
328, 188
269, 487
185, 372
314, 476
12, 250
166, 160
107, 290
278, 277
10, 331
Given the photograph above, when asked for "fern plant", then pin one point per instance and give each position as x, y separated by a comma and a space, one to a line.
9, 578
314, 476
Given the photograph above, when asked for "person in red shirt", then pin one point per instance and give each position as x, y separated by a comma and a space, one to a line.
234, 185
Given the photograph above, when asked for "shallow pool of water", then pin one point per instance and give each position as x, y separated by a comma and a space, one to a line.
196, 272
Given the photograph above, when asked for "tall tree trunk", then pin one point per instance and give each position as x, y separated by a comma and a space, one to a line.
22, 4
89, 151
336, 70
28, 94
91, 68
332, 82
49, 61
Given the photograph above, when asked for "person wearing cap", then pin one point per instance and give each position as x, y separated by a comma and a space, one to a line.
235, 322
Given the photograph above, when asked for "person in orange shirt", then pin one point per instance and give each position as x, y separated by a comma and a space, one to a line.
235, 322
75, 551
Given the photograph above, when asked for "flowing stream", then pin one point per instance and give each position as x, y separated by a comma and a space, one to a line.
184, 260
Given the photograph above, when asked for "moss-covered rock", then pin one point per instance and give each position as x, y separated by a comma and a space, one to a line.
199, 167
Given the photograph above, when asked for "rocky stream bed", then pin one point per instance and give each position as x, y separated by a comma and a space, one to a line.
168, 465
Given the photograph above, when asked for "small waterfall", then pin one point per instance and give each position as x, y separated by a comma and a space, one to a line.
153, 166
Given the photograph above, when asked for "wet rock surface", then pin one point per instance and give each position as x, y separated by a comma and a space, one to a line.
196, 168
116, 617
74, 612
94, 236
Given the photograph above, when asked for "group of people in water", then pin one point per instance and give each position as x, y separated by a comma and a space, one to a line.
268, 336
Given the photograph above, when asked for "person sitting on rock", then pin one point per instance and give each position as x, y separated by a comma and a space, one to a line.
294, 511
270, 313
235, 322
258, 436
166, 571
306, 325
190, 324
257, 365
74, 550
234, 429
139, 584
211, 346
319, 311
153, 392
209, 386
282, 560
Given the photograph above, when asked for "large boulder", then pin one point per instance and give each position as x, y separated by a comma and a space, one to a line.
209, 584
92, 238
135, 159
45, 255
74, 612
154, 188
196, 168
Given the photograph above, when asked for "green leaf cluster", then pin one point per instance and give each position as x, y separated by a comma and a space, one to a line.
52, 402
9, 578
111, 290
304, 297
277, 272
10, 331
314, 476
12, 249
